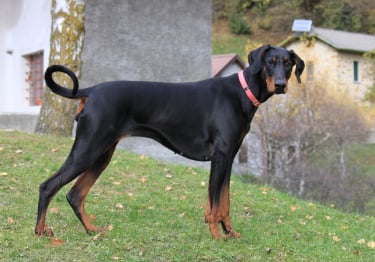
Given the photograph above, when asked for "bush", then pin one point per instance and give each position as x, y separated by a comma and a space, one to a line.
238, 25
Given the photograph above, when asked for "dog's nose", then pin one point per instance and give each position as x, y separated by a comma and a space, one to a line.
280, 84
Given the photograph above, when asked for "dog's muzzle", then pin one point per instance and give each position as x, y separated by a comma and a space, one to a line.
280, 86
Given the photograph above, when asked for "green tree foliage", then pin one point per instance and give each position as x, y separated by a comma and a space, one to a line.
238, 25
347, 15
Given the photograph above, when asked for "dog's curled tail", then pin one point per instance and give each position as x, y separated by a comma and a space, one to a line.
58, 89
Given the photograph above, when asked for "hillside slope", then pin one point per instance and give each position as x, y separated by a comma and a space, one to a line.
154, 212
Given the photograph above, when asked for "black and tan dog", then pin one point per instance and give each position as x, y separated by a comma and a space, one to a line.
205, 121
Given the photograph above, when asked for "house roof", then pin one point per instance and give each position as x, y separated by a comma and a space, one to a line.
340, 40
220, 62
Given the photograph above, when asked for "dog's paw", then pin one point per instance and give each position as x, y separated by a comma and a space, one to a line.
43, 231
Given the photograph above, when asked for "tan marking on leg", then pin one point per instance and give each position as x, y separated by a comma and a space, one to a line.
83, 186
220, 214
212, 220
42, 229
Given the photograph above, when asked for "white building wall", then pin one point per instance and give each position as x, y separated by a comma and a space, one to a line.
24, 29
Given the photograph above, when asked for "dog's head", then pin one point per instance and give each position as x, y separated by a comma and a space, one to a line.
275, 64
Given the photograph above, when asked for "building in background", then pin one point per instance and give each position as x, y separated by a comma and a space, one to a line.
336, 59
24, 51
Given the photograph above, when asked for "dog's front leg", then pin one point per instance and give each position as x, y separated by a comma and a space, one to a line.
218, 202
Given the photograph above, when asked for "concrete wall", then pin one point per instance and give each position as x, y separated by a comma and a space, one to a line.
160, 40
21, 122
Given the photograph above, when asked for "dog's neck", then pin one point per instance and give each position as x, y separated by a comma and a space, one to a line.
246, 88
257, 85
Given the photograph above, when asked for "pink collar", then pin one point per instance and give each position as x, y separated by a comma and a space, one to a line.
246, 88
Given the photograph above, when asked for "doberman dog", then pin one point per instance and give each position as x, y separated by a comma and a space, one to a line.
205, 120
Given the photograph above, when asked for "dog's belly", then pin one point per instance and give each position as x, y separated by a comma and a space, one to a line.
184, 144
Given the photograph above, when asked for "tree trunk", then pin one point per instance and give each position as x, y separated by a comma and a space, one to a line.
67, 34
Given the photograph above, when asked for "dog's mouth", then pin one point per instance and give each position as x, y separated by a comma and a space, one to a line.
281, 88
280, 91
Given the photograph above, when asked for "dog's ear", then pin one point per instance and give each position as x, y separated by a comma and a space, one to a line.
300, 65
256, 58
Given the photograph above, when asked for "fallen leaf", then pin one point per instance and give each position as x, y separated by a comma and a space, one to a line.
19, 151
10, 220
293, 208
96, 237
143, 179
280, 220
169, 176
203, 183
328, 218
119, 206
168, 188
115, 258
336, 238
110, 227
53, 150
54, 210
130, 194
142, 157
309, 217
182, 215
3, 173
268, 250
116, 183
1, 148
371, 244
55, 242
361, 241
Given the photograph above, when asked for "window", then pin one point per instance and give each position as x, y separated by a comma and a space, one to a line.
355, 71
35, 78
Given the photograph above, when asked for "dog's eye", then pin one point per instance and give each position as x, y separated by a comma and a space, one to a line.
272, 62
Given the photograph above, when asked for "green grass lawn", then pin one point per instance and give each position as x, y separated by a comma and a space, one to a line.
155, 212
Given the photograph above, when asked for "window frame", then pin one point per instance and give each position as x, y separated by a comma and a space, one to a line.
35, 80
356, 71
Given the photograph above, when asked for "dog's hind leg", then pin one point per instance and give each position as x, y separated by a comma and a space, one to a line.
77, 195
48, 189
80, 159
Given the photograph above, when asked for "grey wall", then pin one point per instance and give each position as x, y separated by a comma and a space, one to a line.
160, 40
